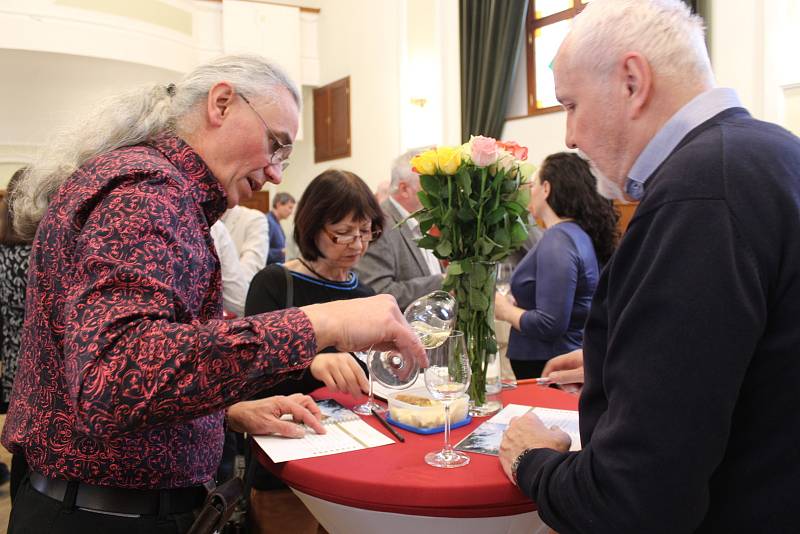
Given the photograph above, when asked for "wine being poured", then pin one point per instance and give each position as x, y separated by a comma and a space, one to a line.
432, 318
430, 336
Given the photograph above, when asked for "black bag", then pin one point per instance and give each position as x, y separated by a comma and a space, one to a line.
218, 508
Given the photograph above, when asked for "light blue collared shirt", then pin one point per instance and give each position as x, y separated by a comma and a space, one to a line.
693, 114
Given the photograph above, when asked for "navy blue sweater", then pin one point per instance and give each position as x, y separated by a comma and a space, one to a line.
690, 415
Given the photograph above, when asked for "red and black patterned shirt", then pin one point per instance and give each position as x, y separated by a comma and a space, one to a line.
126, 365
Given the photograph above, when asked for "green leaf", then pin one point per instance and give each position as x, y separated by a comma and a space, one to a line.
426, 225
425, 200
478, 301
495, 216
519, 233
466, 214
431, 184
454, 269
449, 217
514, 208
479, 271
464, 181
502, 237
444, 248
428, 242
483, 246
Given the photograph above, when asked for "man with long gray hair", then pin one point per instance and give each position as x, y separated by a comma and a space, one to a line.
128, 371
394, 264
689, 412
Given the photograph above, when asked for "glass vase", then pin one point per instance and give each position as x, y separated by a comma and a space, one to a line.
474, 292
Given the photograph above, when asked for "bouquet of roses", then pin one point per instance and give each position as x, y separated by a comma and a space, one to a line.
474, 213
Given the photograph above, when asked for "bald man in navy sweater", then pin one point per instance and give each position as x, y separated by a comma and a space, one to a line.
690, 410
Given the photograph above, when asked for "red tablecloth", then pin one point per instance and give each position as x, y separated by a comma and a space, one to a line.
395, 478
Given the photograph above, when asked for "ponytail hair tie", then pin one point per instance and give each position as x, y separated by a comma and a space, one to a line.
171, 89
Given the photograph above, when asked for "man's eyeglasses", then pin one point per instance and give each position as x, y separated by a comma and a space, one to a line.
349, 239
280, 152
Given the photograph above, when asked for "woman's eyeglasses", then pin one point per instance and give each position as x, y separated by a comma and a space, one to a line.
349, 239
280, 151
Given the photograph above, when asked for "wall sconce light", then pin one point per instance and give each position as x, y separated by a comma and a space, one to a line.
419, 102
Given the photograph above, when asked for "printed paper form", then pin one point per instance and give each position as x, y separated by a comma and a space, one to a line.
343, 435
487, 437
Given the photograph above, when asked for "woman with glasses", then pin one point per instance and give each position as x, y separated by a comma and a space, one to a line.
336, 219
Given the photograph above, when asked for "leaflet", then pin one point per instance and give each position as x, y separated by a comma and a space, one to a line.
487, 437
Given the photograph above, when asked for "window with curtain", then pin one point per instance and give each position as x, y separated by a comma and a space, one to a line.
547, 24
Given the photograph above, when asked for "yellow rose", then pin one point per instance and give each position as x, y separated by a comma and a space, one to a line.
424, 163
449, 159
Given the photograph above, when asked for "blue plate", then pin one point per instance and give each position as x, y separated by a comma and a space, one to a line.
432, 430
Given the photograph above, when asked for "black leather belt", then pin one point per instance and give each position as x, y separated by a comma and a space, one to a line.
121, 500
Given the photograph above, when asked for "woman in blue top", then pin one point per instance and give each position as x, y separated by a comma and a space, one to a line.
552, 286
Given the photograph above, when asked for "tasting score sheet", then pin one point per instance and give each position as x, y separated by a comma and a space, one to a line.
346, 432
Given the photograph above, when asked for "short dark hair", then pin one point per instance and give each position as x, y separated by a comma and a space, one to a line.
573, 194
282, 198
329, 198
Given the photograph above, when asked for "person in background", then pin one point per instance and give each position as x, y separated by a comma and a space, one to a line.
249, 231
688, 413
127, 372
235, 282
553, 285
282, 208
337, 220
382, 191
14, 253
395, 264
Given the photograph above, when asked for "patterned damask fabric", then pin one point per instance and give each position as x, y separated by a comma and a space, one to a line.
13, 278
126, 363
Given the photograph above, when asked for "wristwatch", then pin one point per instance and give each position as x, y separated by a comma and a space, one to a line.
516, 462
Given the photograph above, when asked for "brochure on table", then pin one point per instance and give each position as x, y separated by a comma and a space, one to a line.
487, 437
346, 432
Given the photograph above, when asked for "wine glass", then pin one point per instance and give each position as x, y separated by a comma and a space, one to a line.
503, 278
366, 408
390, 369
447, 378
503, 286
431, 317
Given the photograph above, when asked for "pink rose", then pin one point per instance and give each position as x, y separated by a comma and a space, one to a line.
483, 151
519, 152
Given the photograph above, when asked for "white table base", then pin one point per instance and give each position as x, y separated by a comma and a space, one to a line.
341, 519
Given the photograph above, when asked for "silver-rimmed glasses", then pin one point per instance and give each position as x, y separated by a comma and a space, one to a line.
280, 151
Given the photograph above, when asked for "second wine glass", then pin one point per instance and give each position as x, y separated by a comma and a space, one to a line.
366, 408
447, 378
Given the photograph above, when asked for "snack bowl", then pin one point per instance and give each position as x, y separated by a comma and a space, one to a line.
417, 409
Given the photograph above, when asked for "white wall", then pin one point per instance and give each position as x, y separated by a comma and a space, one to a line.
360, 39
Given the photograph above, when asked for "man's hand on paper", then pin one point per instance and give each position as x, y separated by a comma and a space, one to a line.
340, 372
528, 432
263, 416
566, 371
